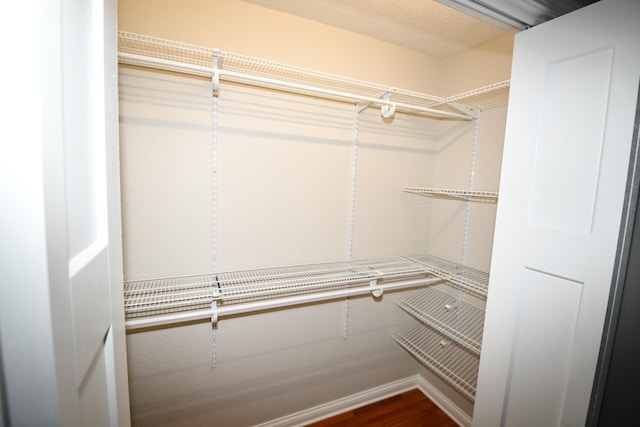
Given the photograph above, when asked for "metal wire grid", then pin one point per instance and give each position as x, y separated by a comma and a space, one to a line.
475, 281
449, 361
305, 76
172, 294
461, 321
167, 295
201, 56
153, 47
490, 96
249, 285
468, 195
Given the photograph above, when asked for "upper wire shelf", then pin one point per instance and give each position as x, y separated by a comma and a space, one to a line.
490, 96
147, 51
468, 195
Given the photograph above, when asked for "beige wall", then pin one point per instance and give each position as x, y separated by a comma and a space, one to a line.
247, 29
283, 198
486, 64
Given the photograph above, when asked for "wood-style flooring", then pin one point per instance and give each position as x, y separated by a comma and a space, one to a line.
409, 409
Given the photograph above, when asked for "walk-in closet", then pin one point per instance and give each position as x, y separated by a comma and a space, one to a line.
294, 236
308, 225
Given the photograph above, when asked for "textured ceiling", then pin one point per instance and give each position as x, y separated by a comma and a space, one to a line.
422, 25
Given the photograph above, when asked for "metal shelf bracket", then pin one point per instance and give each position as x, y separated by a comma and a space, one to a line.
465, 109
215, 77
214, 313
375, 290
388, 110
386, 95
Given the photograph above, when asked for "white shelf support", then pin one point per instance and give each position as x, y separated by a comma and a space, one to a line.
388, 110
346, 304
464, 109
214, 334
214, 313
386, 94
375, 290
215, 77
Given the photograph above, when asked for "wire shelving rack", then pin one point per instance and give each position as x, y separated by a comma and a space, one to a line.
153, 52
473, 280
163, 296
459, 320
466, 195
451, 342
444, 357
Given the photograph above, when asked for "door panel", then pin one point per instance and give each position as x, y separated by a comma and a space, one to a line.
86, 201
93, 395
567, 146
83, 115
540, 360
584, 80
91, 316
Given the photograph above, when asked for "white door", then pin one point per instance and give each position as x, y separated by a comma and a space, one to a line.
571, 114
63, 358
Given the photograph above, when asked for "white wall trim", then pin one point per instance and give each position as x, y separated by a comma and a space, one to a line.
443, 402
372, 395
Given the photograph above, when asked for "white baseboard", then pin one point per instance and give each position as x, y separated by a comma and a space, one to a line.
372, 395
436, 396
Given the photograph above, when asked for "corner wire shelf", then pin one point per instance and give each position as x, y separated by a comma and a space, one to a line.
470, 279
461, 321
153, 52
448, 360
164, 296
483, 98
467, 195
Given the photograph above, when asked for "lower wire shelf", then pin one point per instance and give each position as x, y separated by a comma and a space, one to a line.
164, 296
459, 320
168, 295
444, 357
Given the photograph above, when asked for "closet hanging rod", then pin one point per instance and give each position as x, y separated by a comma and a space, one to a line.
187, 316
134, 59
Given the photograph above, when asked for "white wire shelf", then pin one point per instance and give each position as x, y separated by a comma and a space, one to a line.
292, 285
490, 96
147, 51
168, 295
174, 294
467, 195
461, 321
249, 285
451, 362
470, 279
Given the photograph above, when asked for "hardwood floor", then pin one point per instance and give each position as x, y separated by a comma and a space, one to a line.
409, 409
